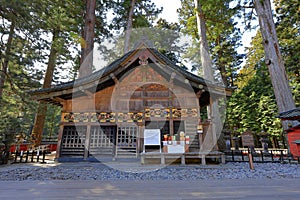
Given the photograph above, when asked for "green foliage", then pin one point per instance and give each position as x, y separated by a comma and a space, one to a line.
144, 14
17, 112
34, 22
254, 106
223, 37
288, 32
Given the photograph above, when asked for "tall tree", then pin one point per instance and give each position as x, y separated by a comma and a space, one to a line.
60, 22
273, 57
206, 63
18, 54
288, 29
222, 36
4, 64
40, 117
129, 26
86, 63
206, 60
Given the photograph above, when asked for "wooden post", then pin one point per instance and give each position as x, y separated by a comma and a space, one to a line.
203, 161
38, 155
182, 159
250, 159
16, 154
223, 160
60, 134
32, 155
27, 154
21, 156
162, 159
44, 155
87, 142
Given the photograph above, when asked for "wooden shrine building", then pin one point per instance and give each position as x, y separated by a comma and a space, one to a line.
106, 113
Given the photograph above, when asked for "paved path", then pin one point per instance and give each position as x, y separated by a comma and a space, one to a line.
217, 189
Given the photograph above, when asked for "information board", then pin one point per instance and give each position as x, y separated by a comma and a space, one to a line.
247, 139
152, 137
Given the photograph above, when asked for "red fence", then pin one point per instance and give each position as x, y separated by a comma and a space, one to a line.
26, 147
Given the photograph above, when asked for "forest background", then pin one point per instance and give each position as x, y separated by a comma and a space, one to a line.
36, 34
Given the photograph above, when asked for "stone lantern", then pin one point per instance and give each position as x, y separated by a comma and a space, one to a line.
264, 140
236, 139
227, 137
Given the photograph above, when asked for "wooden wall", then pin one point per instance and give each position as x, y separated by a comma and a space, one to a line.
138, 89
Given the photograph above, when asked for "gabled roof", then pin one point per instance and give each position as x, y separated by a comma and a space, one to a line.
104, 75
293, 114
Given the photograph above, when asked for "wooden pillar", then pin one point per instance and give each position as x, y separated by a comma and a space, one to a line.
171, 98
87, 142
59, 140
138, 140
203, 161
115, 147
171, 126
200, 125
213, 123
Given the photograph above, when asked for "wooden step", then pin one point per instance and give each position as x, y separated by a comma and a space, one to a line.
126, 152
72, 151
191, 131
101, 151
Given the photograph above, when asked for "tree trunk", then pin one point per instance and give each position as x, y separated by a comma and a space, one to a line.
215, 129
206, 61
129, 27
273, 59
86, 61
39, 121
4, 69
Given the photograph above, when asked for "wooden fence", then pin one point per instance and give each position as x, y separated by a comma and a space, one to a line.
260, 156
29, 156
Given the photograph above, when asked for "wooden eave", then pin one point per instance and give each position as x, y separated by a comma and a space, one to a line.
293, 114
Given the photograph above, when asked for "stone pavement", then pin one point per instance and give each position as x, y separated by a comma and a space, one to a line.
265, 189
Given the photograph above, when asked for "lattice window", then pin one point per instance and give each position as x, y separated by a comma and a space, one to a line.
102, 136
127, 136
73, 136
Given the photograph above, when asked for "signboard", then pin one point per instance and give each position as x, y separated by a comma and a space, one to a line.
176, 148
247, 139
152, 137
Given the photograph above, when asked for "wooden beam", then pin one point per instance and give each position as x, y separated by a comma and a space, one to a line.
88, 93
199, 93
62, 101
114, 78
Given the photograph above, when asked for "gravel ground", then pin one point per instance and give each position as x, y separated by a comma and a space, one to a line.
135, 171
